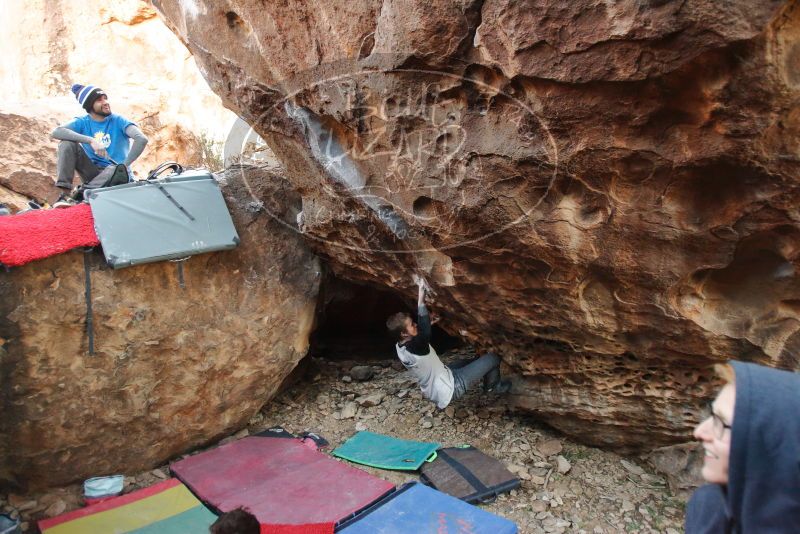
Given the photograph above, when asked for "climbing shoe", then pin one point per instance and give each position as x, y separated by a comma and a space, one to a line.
32, 205
501, 388
4, 210
64, 201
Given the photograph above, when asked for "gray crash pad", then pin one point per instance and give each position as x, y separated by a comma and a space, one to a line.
163, 219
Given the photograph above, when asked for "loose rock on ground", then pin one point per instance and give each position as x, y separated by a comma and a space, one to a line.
566, 487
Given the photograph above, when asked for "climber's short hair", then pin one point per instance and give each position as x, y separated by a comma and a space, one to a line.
238, 521
397, 324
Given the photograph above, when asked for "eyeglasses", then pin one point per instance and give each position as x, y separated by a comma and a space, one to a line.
718, 426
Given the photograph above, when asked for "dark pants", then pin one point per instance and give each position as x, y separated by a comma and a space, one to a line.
466, 373
72, 158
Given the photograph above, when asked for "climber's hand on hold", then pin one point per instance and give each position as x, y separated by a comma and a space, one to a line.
421, 296
422, 284
418, 280
422, 287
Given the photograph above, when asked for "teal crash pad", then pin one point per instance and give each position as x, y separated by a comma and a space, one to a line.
386, 452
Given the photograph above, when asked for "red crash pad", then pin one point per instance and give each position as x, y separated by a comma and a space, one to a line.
38, 234
279, 480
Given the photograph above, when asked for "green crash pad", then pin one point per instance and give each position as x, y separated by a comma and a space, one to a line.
386, 452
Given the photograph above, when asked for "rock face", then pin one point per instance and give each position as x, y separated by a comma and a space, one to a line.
121, 46
174, 367
604, 192
28, 164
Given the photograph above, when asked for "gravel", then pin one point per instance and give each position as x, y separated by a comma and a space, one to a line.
566, 486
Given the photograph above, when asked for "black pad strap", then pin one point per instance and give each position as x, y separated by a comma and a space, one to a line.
181, 282
88, 296
465, 473
172, 199
275, 432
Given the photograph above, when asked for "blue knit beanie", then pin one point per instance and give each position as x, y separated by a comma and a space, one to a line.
86, 95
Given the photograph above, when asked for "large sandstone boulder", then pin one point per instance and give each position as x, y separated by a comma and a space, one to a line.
175, 367
120, 45
28, 161
604, 192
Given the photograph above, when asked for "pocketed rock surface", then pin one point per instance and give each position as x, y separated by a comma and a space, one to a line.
185, 353
605, 193
600, 492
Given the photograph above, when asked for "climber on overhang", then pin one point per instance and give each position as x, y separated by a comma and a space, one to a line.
94, 145
440, 383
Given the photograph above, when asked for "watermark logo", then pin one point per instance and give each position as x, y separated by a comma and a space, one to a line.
412, 157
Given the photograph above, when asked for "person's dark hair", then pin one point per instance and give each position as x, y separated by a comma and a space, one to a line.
238, 521
397, 324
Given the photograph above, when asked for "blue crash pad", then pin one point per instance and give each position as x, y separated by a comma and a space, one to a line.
422, 510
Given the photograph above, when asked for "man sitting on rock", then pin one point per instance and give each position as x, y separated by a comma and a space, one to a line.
438, 382
93, 145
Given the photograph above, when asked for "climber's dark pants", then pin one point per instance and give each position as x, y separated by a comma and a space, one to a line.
71, 158
467, 372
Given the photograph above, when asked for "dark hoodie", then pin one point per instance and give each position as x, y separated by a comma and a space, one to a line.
763, 491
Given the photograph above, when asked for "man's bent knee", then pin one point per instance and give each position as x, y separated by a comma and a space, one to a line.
64, 146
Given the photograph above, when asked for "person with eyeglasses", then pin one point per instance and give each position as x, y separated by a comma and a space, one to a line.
751, 441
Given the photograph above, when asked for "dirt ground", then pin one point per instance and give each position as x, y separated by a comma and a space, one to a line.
566, 487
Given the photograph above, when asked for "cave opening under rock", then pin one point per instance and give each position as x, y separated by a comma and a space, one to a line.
351, 323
